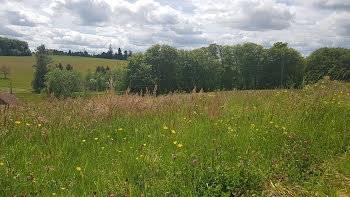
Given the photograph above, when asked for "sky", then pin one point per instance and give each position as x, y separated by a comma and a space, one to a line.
305, 25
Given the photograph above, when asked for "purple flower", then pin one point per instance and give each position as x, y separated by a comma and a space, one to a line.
174, 156
194, 161
142, 195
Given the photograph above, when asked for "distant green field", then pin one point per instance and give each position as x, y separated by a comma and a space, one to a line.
22, 70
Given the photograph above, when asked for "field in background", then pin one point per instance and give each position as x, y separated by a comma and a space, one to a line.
22, 70
234, 143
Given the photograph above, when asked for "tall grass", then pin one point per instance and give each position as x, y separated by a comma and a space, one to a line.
240, 143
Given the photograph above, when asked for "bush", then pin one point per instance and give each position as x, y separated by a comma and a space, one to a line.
63, 83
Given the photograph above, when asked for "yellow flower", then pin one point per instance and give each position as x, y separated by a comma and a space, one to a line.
120, 129
108, 136
285, 133
229, 128
232, 130
165, 128
137, 158
149, 135
276, 126
54, 194
96, 138
173, 131
144, 144
39, 125
175, 142
189, 121
112, 139
103, 147
184, 118
179, 145
83, 140
27, 124
125, 138
78, 168
286, 91
18, 122
63, 188
1, 164
131, 147
141, 155
283, 127
271, 122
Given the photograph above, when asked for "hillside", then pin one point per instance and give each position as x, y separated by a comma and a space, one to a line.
22, 70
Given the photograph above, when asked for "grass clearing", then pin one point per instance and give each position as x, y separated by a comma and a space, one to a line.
241, 143
22, 70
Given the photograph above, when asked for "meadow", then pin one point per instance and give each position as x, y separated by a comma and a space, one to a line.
232, 143
22, 70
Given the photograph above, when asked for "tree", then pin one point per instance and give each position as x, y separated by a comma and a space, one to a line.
120, 54
63, 83
42, 60
59, 66
69, 67
125, 56
110, 52
333, 62
5, 70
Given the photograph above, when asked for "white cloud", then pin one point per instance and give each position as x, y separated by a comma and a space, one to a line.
138, 24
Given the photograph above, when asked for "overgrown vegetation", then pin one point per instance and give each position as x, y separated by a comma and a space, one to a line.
234, 143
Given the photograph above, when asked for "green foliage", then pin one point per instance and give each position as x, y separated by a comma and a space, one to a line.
12, 47
63, 83
42, 60
333, 62
99, 80
247, 66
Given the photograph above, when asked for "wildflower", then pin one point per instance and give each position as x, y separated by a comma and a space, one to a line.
285, 133
112, 139
18, 122
174, 156
276, 126
194, 161
141, 155
137, 158
325, 102
63, 188
189, 121
83, 140
179, 145
184, 118
120, 129
96, 138
125, 138
175, 142
54, 194
165, 128
131, 147
102, 147
283, 127
252, 125
149, 136
27, 124
271, 122
232, 130
142, 195
144, 144
173, 131
229, 128
39, 125
257, 129
78, 168
1, 164
112, 195
108, 136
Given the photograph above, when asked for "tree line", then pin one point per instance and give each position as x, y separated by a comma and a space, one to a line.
242, 67
13, 47
119, 55
216, 67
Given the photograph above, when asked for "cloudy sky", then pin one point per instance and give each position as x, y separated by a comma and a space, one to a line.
137, 24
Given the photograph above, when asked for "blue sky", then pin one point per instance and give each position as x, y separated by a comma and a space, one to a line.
187, 24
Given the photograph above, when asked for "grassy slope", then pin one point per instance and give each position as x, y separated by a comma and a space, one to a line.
277, 143
22, 71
